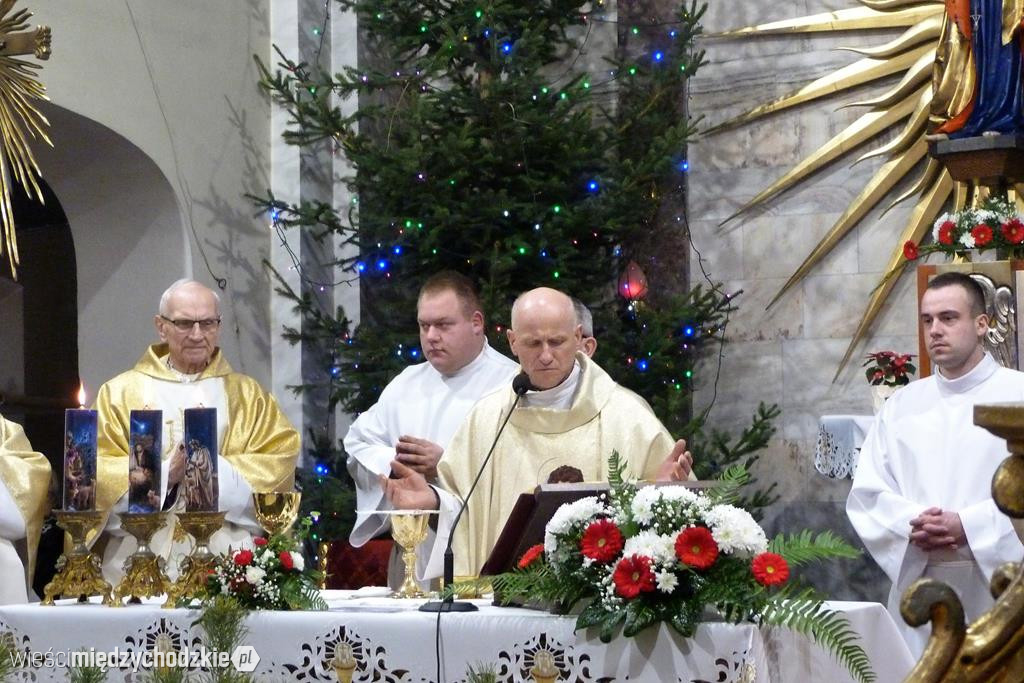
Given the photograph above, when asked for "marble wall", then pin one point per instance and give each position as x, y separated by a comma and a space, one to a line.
788, 354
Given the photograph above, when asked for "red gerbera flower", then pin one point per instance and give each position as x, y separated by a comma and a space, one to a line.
696, 547
910, 250
243, 558
1013, 231
531, 554
601, 541
982, 234
770, 569
286, 559
633, 576
259, 540
946, 232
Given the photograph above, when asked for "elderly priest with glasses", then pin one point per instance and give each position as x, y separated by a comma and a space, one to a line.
257, 445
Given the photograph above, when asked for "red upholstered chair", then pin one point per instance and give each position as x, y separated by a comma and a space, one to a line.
351, 568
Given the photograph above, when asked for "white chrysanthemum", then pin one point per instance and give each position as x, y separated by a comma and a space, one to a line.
298, 561
660, 548
254, 575
642, 506
667, 581
735, 531
568, 515
967, 239
984, 215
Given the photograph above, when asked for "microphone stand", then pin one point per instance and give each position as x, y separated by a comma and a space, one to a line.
520, 385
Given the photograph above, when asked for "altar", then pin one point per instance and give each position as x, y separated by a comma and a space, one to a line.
389, 640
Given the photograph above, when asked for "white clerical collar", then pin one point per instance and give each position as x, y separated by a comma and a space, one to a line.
558, 397
183, 377
472, 366
985, 368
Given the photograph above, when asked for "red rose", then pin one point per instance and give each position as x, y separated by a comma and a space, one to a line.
530, 556
286, 559
770, 569
259, 540
910, 250
946, 232
982, 234
601, 541
696, 547
243, 558
1013, 231
633, 576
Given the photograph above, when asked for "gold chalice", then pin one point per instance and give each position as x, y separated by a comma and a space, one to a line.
409, 529
275, 511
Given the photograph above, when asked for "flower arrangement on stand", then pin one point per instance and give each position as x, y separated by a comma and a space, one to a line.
995, 224
639, 556
269, 575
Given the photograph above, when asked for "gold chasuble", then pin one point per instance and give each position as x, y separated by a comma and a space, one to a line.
260, 442
604, 417
26, 474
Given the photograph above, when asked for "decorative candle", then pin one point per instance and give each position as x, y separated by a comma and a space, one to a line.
201, 489
144, 450
80, 457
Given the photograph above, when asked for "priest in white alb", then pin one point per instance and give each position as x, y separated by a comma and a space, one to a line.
575, 417
24, 483
921, 498
418, 411
257, 446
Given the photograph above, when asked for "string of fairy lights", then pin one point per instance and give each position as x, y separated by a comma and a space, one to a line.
379, 262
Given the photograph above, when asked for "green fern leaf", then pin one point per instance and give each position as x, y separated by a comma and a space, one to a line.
803, 548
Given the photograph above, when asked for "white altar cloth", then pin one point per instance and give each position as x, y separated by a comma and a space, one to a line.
392, 641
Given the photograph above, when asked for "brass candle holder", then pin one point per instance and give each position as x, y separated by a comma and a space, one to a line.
78, 571
196, 567
277, 512
144, 576
409, 529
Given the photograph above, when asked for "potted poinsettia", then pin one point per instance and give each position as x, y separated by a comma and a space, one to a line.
886, 371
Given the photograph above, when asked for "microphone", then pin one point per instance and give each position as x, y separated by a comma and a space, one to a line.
520, 385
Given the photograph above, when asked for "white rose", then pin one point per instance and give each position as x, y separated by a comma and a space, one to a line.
298, 561
254, 575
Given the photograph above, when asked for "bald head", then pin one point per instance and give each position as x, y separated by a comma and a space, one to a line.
544, 335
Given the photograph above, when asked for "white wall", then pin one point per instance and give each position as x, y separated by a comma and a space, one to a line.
175, 132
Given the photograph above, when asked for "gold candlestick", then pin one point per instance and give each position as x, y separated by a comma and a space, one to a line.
409, 530
196, 567
78, 572
275, 511
144, 576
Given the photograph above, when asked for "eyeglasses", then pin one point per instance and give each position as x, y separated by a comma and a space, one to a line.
186, 325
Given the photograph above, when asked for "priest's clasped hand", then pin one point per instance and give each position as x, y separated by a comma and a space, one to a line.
407, 489
934, 529
677, 465
419, 454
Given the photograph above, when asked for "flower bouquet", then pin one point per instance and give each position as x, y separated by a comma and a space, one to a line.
269, 575
889, 368
994, 225
640, 556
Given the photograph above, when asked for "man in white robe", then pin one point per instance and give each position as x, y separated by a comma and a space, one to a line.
921, 498
418, 411
576, 417
24, 482
257, 446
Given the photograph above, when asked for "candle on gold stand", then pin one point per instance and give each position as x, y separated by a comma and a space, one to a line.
78, 571
144, 574
196, 567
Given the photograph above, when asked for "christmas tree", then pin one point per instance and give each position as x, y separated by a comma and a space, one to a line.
487, 140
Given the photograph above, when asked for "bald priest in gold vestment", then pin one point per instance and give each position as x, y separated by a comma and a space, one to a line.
575, 417
257, 445
24, 483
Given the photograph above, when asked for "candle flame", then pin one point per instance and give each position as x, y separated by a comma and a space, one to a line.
81, 395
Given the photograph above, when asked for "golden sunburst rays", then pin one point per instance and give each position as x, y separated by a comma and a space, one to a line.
20, 120
902, 65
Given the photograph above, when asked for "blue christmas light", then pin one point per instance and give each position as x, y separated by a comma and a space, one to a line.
360, 266
684, 165
397, 249
593, 186
487, 33
544, 253
382, 264
321, 469
506, 48
641, 365
658, 56
673, 33
689, 331
274, 215
415, 353
335, 371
